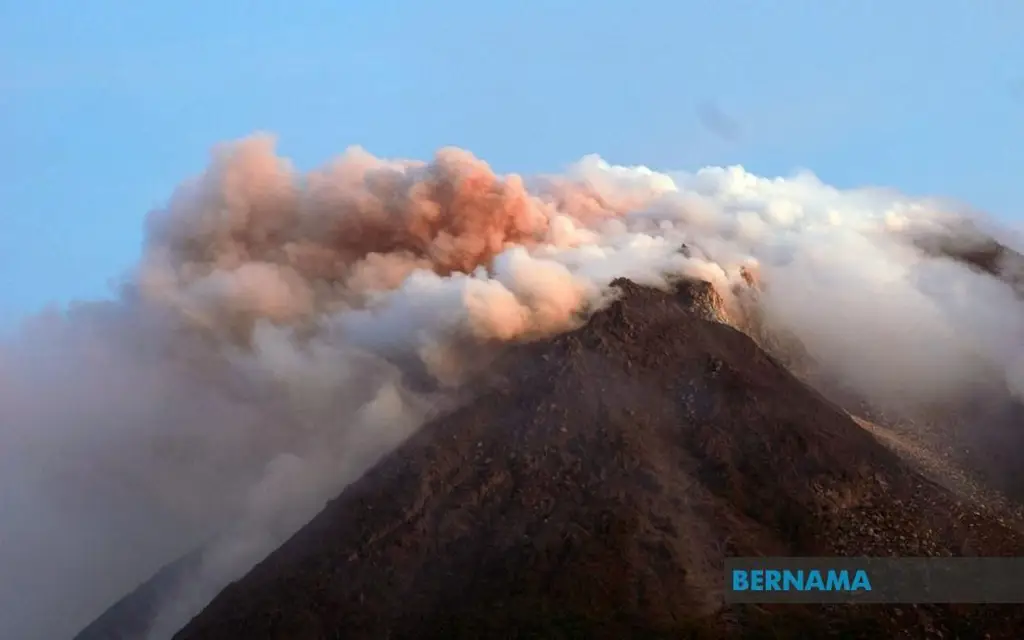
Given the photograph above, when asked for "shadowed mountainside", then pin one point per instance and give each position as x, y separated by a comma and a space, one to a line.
593, 488
131, 616
975, 249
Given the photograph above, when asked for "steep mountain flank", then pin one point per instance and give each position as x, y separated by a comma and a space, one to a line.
593, 487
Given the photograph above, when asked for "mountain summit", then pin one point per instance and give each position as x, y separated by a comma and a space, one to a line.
594, 486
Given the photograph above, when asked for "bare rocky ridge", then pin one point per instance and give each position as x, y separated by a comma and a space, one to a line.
594, 487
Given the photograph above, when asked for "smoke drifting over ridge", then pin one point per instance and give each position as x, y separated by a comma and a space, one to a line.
283, 331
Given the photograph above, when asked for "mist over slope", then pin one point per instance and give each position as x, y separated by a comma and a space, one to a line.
283, 331
594, 487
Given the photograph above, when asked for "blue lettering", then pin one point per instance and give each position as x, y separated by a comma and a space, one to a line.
814, 581
793, 580
860, 580
800, 580
838, 581
757, 580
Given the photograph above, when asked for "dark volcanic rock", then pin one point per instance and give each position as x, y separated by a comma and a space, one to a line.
131, 616
593, 488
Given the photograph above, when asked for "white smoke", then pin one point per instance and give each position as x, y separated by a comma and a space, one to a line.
282, 332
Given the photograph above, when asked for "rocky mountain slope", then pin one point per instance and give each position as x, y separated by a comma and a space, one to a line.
592, 489
131, 617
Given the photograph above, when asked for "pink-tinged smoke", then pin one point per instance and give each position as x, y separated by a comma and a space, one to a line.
283, 331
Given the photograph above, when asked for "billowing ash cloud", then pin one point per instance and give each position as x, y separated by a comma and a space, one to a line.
283, 331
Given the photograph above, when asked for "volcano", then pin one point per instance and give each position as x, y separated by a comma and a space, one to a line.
592, 488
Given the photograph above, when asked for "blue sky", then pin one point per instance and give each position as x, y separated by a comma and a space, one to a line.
105, 106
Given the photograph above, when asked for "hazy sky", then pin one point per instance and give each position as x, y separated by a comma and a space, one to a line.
106, 105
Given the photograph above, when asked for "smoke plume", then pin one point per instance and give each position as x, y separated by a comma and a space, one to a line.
283, 331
